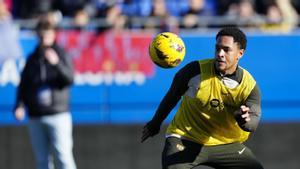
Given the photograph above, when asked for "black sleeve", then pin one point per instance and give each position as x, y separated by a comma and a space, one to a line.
254, 103
22, 87
177, 89
64, 67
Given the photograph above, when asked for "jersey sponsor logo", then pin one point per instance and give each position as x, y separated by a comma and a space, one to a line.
214, 103
180, 147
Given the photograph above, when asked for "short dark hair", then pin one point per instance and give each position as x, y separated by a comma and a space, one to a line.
44, 24
238, 35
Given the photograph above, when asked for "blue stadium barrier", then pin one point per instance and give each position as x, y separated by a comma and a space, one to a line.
272, 59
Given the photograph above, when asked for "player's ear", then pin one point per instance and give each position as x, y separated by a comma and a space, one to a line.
241, 53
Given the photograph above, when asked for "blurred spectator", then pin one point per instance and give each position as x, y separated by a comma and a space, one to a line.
222, 6
281, 16
296, 5
110, 11
139, 8
160, 18
27, 9
115, 19
134, 9
44, 92
100, 7
165, 15
176, 8
81, 19
9, 32
261, 6
190, 21
202, 7
69, 8
4, 12
289, 13
273, 15
244, 14
196, 8
54, 17
8, 4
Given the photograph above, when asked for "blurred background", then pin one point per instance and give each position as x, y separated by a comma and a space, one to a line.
117, 88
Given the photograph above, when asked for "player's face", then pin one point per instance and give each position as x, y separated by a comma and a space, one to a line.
227, 54
47, 37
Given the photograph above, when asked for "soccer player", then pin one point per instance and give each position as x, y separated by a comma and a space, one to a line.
220, 107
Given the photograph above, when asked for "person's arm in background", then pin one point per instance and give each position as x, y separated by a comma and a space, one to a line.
289, 14
62, 63
19, 108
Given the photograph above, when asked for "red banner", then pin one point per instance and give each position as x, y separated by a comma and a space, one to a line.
108, 52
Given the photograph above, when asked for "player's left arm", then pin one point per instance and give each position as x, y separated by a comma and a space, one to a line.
248, 116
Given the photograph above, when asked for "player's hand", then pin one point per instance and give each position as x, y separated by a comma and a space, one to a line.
51, 56
150, 129
245, 113
19, 113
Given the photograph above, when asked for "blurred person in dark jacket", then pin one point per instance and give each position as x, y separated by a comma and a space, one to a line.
44, 92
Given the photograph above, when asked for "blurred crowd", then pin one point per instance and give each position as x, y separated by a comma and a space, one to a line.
162, 14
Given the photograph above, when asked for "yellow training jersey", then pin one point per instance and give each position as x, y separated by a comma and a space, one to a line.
207, 118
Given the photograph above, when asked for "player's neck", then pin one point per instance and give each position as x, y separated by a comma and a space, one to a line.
227, 72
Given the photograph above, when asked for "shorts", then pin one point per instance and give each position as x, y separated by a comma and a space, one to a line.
184, 154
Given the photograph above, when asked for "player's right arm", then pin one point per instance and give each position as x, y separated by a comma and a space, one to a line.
178, 88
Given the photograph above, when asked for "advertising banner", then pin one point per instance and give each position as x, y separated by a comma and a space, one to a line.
116, 82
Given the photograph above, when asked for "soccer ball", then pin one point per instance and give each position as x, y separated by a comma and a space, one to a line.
167, 50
